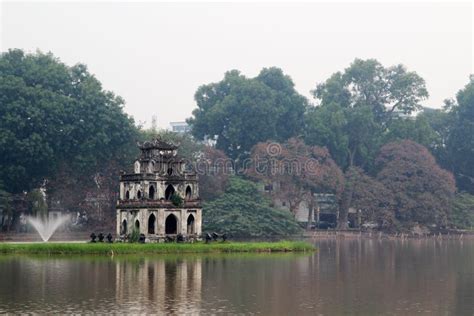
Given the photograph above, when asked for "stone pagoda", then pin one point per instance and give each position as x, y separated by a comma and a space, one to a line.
160, 198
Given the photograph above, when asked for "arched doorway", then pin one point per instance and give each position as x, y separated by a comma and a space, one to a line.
151, 224
151, 192
137, 225
171, 225
189, 193
169, 192
190, 228
124, 227
139, 194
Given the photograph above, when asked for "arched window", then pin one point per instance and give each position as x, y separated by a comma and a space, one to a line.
127, 195
124, 227
151, 224
171, 225
139, 194
151, 192
169, 192
170, 171
189, 193
190, 227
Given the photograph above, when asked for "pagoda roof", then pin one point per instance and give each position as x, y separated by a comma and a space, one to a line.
157, 143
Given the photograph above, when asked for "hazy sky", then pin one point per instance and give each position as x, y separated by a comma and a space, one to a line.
155, 55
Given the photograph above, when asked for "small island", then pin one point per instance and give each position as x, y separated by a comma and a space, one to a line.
153, 248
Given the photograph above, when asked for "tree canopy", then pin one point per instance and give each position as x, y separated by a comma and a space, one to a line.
356, 107
422, 191
239, 112
460, 142
52, 115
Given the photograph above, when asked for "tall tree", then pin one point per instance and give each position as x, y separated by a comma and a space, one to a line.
53, 115
417, 129
422, 191
356, 108
239, 112
460, 142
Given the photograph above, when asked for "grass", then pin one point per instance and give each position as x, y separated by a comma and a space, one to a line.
155, 248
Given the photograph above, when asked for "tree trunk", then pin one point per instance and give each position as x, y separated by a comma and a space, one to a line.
310, 215
346, 201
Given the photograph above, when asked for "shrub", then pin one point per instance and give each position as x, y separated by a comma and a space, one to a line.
242, 211
177, 200
134, 236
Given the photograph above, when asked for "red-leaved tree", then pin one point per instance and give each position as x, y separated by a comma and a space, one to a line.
422, 191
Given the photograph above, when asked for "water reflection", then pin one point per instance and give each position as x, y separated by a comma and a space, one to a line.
361, 277
171, 286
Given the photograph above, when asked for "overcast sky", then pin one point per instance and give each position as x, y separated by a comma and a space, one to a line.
155, 55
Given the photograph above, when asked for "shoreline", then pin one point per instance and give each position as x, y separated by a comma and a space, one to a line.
69, 248
331, 234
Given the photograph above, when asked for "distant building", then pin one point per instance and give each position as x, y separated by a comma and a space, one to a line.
160, 198
402, 115
180, 127
327, 209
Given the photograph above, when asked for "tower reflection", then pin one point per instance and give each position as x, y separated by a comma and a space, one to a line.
156, 285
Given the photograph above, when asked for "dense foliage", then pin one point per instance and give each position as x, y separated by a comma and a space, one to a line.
422, 191
53, 115
462, 215
460, 142
239, 112
297, 170
367, 139
356, 109
242, 211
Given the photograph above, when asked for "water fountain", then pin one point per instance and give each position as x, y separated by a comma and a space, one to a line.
46, 226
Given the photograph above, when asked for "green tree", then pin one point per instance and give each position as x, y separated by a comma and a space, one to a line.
242, 211
417, 129
52, 115
189, 148
460, 142
462, 215
356, 108
440, 122
37, 203
6, 211
239, 112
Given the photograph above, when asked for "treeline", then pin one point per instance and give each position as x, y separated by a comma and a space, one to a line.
365, 135
375, 147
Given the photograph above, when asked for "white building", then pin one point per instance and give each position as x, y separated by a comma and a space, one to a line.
180, 127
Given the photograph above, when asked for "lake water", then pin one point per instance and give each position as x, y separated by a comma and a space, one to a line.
361, 277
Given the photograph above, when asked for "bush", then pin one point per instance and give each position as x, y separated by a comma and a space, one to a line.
134, 236
242, 211
177, 200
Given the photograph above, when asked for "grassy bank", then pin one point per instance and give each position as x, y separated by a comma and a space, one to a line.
163, 248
